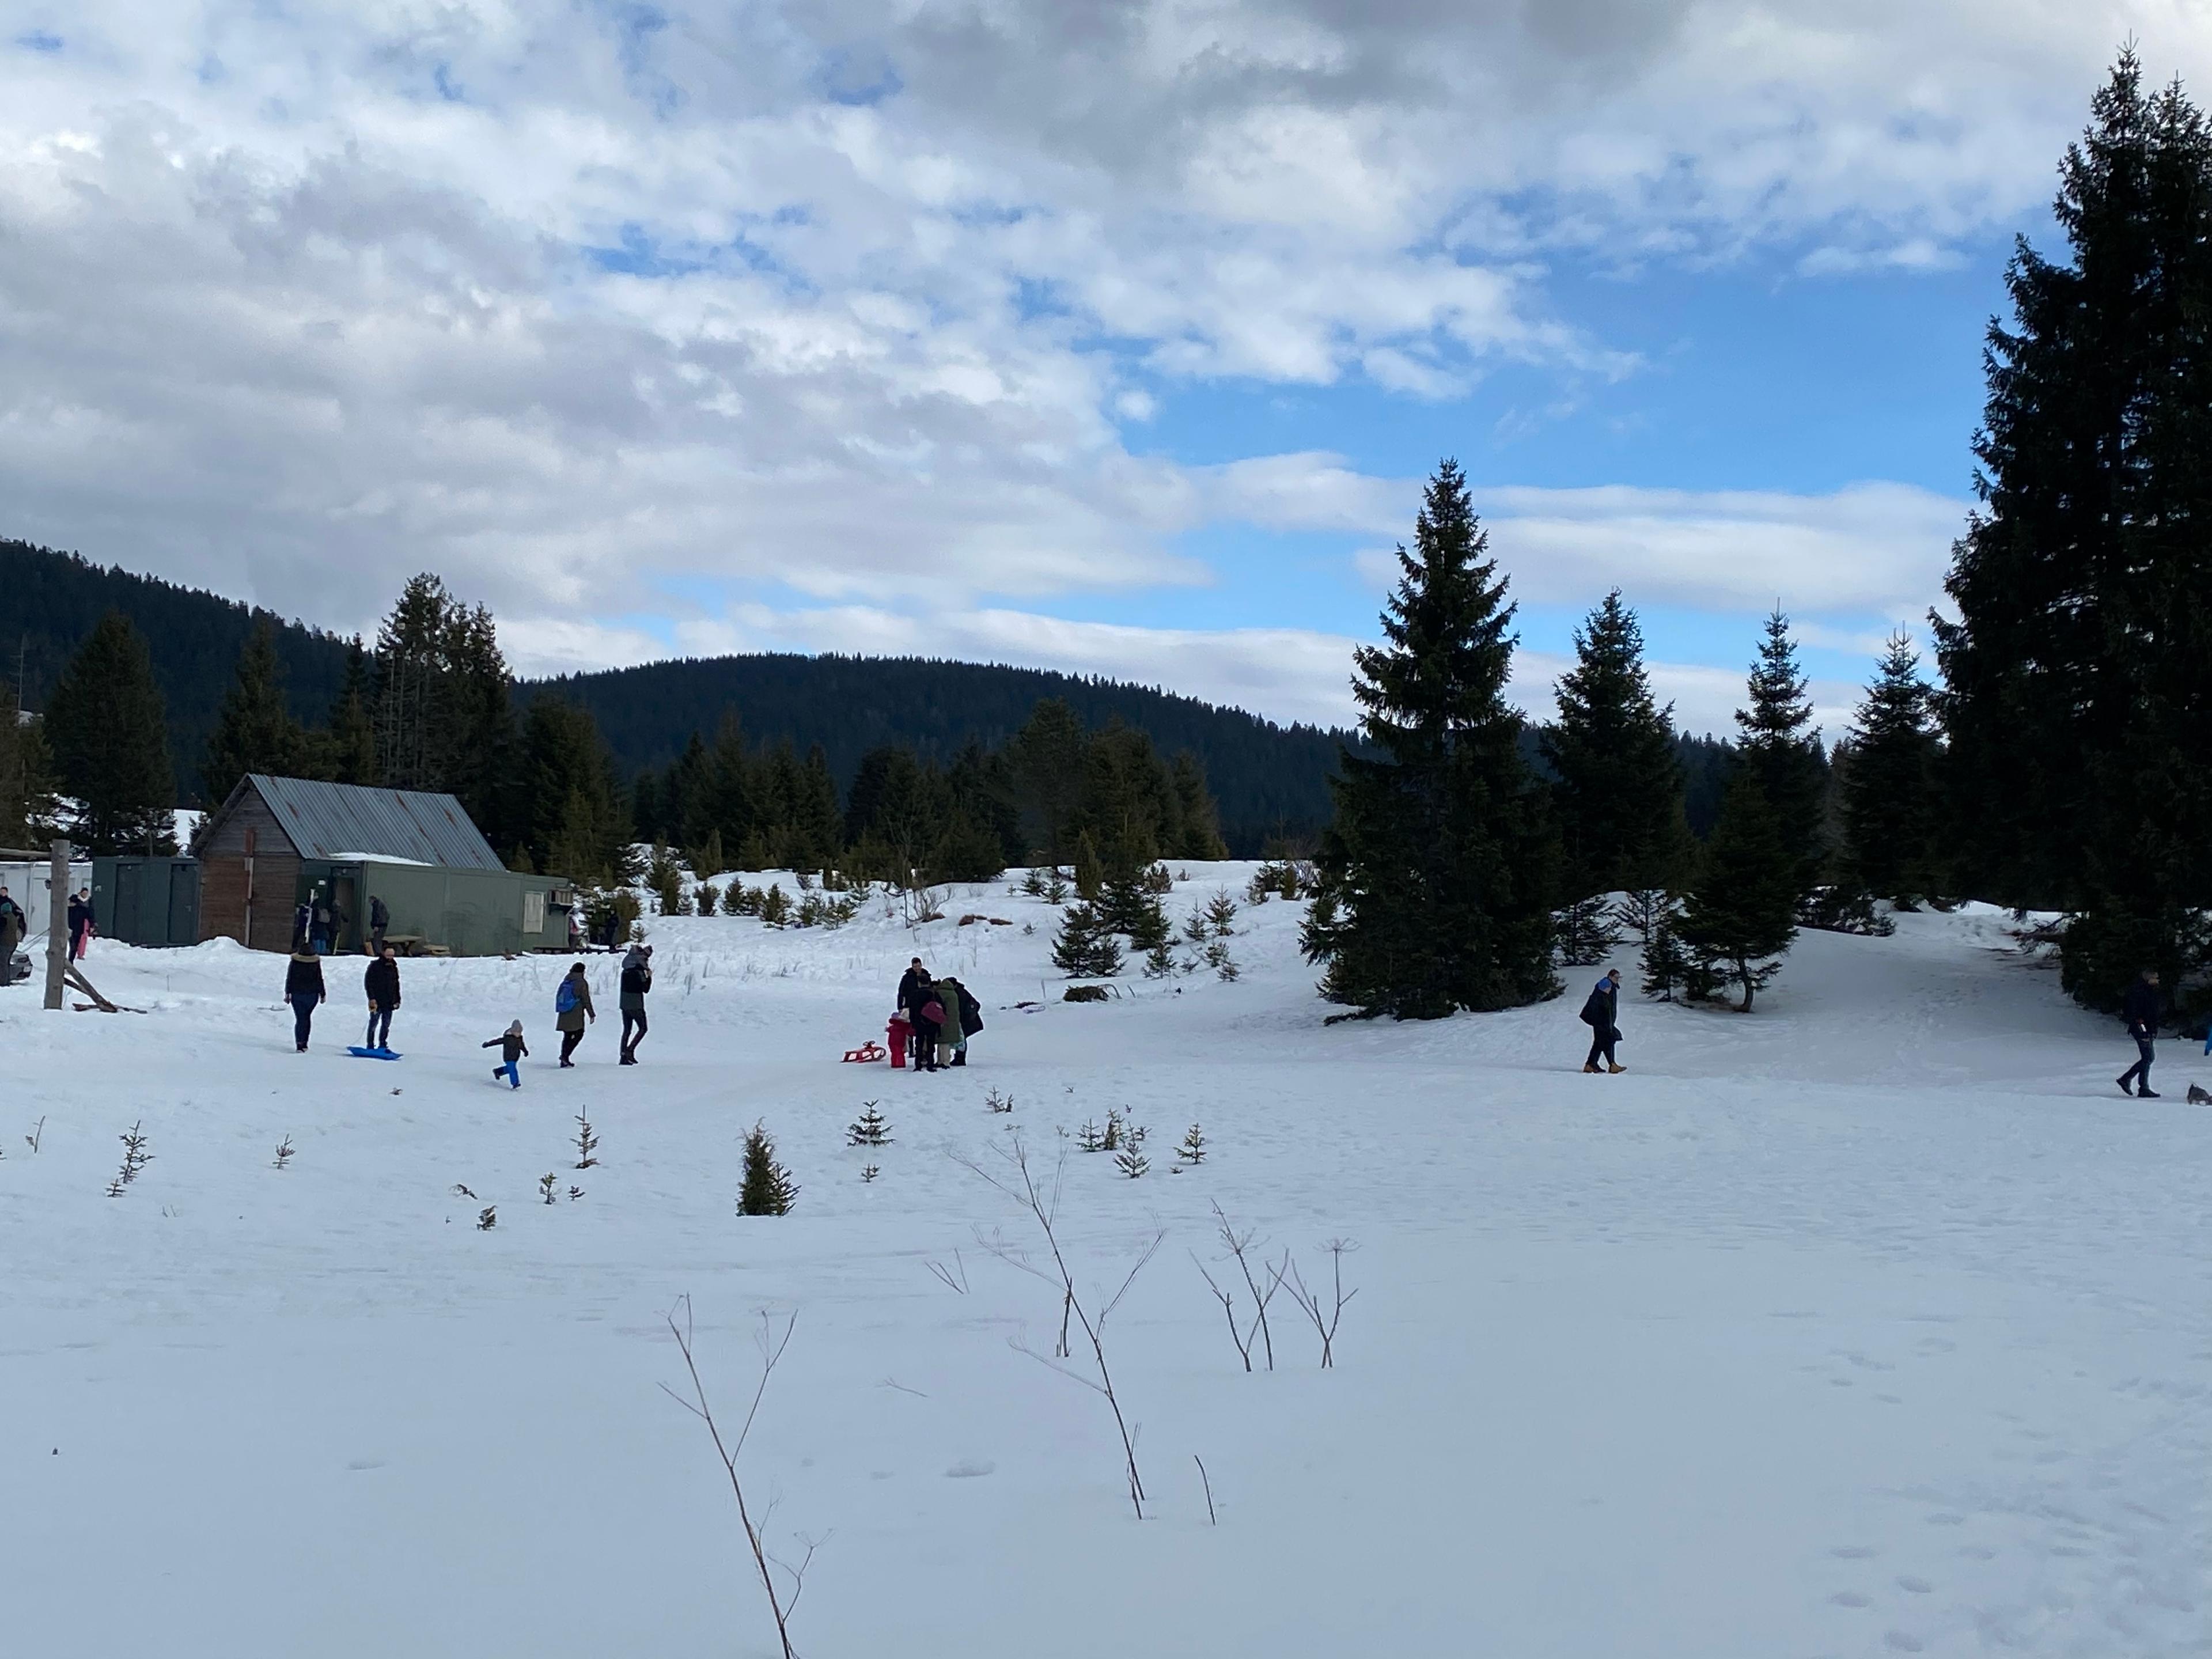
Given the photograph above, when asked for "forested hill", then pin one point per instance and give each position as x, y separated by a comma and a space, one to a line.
50, 601
1265, 776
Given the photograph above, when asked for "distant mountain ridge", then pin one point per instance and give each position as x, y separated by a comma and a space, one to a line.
1266, 777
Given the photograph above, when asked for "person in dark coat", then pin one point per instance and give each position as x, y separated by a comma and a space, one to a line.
80, 922
926, 1028
380, 920
511, 1048
636, 982
381, 981
909, 1005
13, 925
572, 1007
2142, 1008
1601, 1013
303, 989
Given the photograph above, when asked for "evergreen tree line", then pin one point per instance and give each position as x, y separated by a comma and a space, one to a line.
1461, 871
433, 708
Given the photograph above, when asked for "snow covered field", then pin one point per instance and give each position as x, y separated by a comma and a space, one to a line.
1875, 1322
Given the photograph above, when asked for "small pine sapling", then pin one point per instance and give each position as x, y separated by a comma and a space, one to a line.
135, 1156
1192, 1149
1131, 1160
768, 1188
574, 1193
1221, 915
871, 1129
487, 1217
996, 1102
587, 1142
1160, 961
1117, 1132
1089, 1137
283, 1153
1194, 926
545, 1185
868, 1174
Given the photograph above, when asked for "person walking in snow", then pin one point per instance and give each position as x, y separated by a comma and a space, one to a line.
636, 981
511, 1048
381, 982
80, 922
572, 1007
1601, 1013
303, 989
2141, 1008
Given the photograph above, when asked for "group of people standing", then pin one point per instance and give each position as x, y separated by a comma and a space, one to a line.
15, 925
940, 1015
305, 991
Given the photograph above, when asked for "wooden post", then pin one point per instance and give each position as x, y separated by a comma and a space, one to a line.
57, 899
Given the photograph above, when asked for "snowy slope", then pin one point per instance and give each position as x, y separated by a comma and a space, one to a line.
1875, 1322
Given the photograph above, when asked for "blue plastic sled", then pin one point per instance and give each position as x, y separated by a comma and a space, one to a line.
371, 1053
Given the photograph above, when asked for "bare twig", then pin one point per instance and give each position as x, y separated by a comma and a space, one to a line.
1044, 1204
953, 1279
1238, 1243
1310, 1300
772, 1345
1212, 1519
1228, 1300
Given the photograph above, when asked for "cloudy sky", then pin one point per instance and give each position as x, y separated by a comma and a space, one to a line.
1111, 337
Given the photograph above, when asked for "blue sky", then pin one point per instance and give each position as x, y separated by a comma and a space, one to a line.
1116, 338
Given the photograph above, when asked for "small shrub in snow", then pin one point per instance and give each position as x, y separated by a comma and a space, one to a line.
996, 1102
776, 907
872, 1129
1084, 993
1033, 882
283, 1153
587, 1143
768, 1188
664, 876
135, 1158
1089, 1137
1192, 1149
1055, 889
868, 1173
574, 1193
1160, 961
708, 897
487, 1217
546, 1183
1131, 1160
1218, 959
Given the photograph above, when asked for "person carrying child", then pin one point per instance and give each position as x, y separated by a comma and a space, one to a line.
511, 1048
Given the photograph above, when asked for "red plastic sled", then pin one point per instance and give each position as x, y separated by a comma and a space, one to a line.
866, 1053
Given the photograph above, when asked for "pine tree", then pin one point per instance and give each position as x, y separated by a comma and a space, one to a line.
410, 670
2079, 674
1889, 782
349, 744
104, 729
729, 783
767, 1188
1437, 863
1586, 932
1084, 947
1739, 915
26, 776
255, 732
1090, 875
1783, 751
1198, 835
1618, 797
1666, 961
1048, 756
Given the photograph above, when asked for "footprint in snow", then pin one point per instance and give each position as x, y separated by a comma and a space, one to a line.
1902, 1642
366, 1463
969, 1468
1850, 1599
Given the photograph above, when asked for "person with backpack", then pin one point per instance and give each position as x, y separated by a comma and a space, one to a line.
1601, 1013
572, 1007
511, 1048
2142, 1008
379, 919
381, 981
636, 981
303, 989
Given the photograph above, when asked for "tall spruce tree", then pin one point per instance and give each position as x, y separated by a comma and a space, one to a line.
109, 743
1888, 781
26, 780
2078, 676
1739, 915
1618, 794
349, 745
255, 731
1783, 751
1438, 868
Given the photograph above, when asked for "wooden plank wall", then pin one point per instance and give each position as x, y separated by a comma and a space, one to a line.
222, 877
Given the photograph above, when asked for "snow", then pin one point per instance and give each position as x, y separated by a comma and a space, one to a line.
1874, 1322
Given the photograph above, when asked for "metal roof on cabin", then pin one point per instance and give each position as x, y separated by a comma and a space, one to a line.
325, 819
